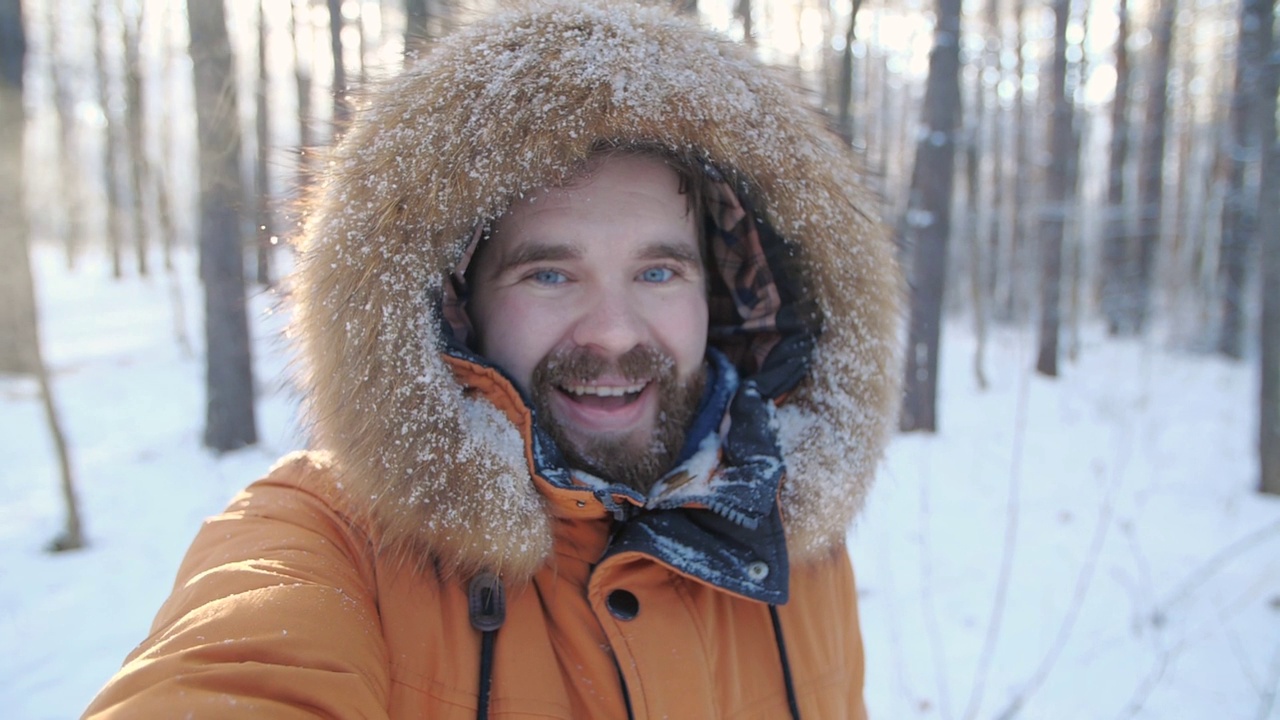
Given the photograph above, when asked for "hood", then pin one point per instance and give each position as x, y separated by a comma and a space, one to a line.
435, 449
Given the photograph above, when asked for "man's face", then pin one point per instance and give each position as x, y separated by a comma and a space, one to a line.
593, 298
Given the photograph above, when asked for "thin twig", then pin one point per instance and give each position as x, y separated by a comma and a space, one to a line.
1084, 580
931, 610
1267, 701
1007, 552
1143, 691
1206, 570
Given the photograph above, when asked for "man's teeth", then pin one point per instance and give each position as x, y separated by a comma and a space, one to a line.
604, 390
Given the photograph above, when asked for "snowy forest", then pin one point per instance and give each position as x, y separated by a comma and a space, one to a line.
1079, 516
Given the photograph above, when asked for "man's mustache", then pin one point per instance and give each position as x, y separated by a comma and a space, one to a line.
643, 363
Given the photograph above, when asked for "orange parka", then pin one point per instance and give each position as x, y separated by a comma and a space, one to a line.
433, 557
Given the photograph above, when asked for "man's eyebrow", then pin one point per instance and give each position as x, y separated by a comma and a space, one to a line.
680, 252
534, 253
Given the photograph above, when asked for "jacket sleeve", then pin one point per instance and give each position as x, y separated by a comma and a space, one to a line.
273, 615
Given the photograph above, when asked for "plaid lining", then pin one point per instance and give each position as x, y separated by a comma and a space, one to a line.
454, 304
744, 307
743, 304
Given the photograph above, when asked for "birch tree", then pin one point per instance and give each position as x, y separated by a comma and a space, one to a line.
17, 310
20, 336
1239, 205
1115, 239
1151, 171
229, 422
1055, 209
928, 224
1269, 234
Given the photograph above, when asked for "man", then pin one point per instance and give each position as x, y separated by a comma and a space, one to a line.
598, 348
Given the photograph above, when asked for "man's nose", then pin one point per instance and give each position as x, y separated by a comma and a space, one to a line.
610, 322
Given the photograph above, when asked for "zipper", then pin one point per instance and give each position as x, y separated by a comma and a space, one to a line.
622, 682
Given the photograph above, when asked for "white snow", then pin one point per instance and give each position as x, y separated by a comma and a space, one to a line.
1140, 577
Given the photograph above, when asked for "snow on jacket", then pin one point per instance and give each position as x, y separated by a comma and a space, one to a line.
349, 582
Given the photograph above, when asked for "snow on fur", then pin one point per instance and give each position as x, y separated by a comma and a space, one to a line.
504, 108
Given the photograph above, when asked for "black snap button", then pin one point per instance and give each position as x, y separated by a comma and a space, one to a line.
623, 605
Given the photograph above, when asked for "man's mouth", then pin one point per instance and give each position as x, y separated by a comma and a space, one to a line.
604, 397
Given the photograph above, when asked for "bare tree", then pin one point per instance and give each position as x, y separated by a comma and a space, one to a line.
341, 108
1056, 208
928, 225
1009, 284
229, 373
69, 161
1115, 242
985, 145
1239, 210
113, 142
742, 10
1151, 169
844, 101
302, 79
17, 311
417, 29
139, 169
263, 223
20, 349
687, 7
161, 187
1269, 233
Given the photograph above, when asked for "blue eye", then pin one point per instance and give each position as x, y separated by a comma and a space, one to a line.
657, 275
548, 277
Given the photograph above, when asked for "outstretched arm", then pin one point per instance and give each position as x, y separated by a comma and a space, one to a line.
273, 614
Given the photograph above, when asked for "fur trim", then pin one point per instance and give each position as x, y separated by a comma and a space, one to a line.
511, 105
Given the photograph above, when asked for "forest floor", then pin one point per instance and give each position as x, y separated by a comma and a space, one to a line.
1085, 547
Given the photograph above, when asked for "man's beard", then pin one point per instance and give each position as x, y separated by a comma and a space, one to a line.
634, 460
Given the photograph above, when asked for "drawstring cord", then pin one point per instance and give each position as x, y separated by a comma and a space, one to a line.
786, 666
487, 606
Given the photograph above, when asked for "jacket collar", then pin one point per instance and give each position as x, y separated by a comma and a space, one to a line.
713, 517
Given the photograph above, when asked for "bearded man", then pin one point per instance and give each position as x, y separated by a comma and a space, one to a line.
598, 345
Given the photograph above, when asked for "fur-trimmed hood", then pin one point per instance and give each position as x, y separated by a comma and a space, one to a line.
438, 451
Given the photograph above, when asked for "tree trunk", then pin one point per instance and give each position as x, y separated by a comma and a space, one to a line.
263, 223
995, 139
17, 309
976, 147
844, 116
743, 12
139, 169
687, 7
21, 335
302, 78
160, 176
1011, 287
1269, 233
112, 142
928, 225
229, 374
417, 29
1151, 175
341, 108
1239, 211
1056, 208
69, 160
1117, 284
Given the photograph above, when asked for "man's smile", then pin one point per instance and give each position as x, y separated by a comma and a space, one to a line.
604, 408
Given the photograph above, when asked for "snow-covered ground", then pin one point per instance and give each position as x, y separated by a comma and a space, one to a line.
1089, 547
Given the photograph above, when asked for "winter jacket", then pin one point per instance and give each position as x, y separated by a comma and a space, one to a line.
435, 558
